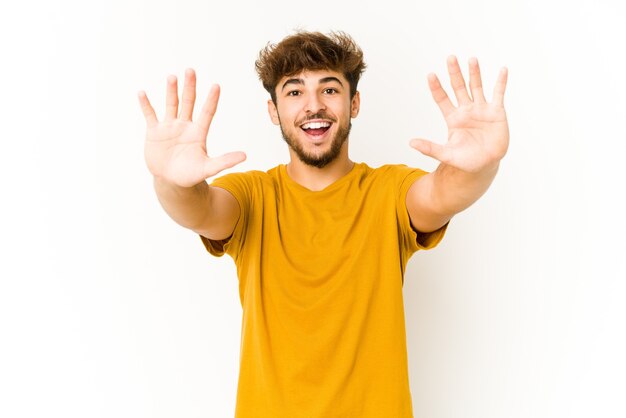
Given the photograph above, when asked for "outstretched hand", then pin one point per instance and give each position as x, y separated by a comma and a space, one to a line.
478, 132
175, 148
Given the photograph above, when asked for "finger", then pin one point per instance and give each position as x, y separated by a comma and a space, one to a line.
436, 151
498, 91
217, 164
189, 95
476, 84
457, 81
146, 108
171, 100
209, 108
441, 98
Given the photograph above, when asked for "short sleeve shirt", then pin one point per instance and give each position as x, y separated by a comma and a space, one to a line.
320, 283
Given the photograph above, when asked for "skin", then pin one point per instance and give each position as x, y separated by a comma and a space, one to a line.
176, 152
478, 138
303, 98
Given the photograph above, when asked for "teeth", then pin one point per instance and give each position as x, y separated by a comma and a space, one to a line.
316, 125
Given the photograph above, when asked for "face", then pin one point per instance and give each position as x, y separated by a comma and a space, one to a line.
314, 110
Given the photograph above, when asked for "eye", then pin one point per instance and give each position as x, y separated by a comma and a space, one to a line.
293, 93
330, 90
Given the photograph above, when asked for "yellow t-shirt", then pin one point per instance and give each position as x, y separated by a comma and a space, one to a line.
320, 283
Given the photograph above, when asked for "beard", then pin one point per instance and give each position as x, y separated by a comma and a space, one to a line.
318, 160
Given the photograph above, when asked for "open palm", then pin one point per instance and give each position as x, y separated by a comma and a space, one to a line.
478, 132
175, 148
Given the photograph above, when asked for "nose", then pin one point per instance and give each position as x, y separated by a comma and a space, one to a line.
315, 103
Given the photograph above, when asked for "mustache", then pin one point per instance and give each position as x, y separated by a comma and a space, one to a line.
318, 115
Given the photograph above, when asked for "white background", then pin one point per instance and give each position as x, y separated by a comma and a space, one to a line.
110, 309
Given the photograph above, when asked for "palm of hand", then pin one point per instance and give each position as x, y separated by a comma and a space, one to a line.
175, 148
478, 133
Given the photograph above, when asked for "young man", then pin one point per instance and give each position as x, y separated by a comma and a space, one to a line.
321, 243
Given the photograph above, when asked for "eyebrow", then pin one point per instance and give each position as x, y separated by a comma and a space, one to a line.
300, 81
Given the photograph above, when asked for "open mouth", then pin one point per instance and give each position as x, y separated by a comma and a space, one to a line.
316, 129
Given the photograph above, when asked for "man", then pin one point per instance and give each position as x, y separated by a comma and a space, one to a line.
321, 243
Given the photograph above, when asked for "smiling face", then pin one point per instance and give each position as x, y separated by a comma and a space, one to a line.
314, 109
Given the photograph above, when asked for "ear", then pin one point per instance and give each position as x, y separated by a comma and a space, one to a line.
355, 105
271, 109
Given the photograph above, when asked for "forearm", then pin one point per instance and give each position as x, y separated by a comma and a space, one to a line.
187, 206
436, 197
454, 190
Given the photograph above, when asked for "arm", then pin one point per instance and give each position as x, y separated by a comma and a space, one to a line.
208, 211
478, 138
176, 155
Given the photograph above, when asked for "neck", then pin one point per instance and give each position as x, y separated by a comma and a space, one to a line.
316, 179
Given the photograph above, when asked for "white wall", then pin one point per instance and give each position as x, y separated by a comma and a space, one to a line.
109, 309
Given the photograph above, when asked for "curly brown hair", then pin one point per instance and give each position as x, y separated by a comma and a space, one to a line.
336, 51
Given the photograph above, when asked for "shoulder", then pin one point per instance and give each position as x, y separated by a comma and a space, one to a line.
245, 177
396, 173
244, 185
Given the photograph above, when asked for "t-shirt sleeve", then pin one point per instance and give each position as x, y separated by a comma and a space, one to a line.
239, 186
411, 239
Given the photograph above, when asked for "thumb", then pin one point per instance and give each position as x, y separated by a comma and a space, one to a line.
429, 148
217, 164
